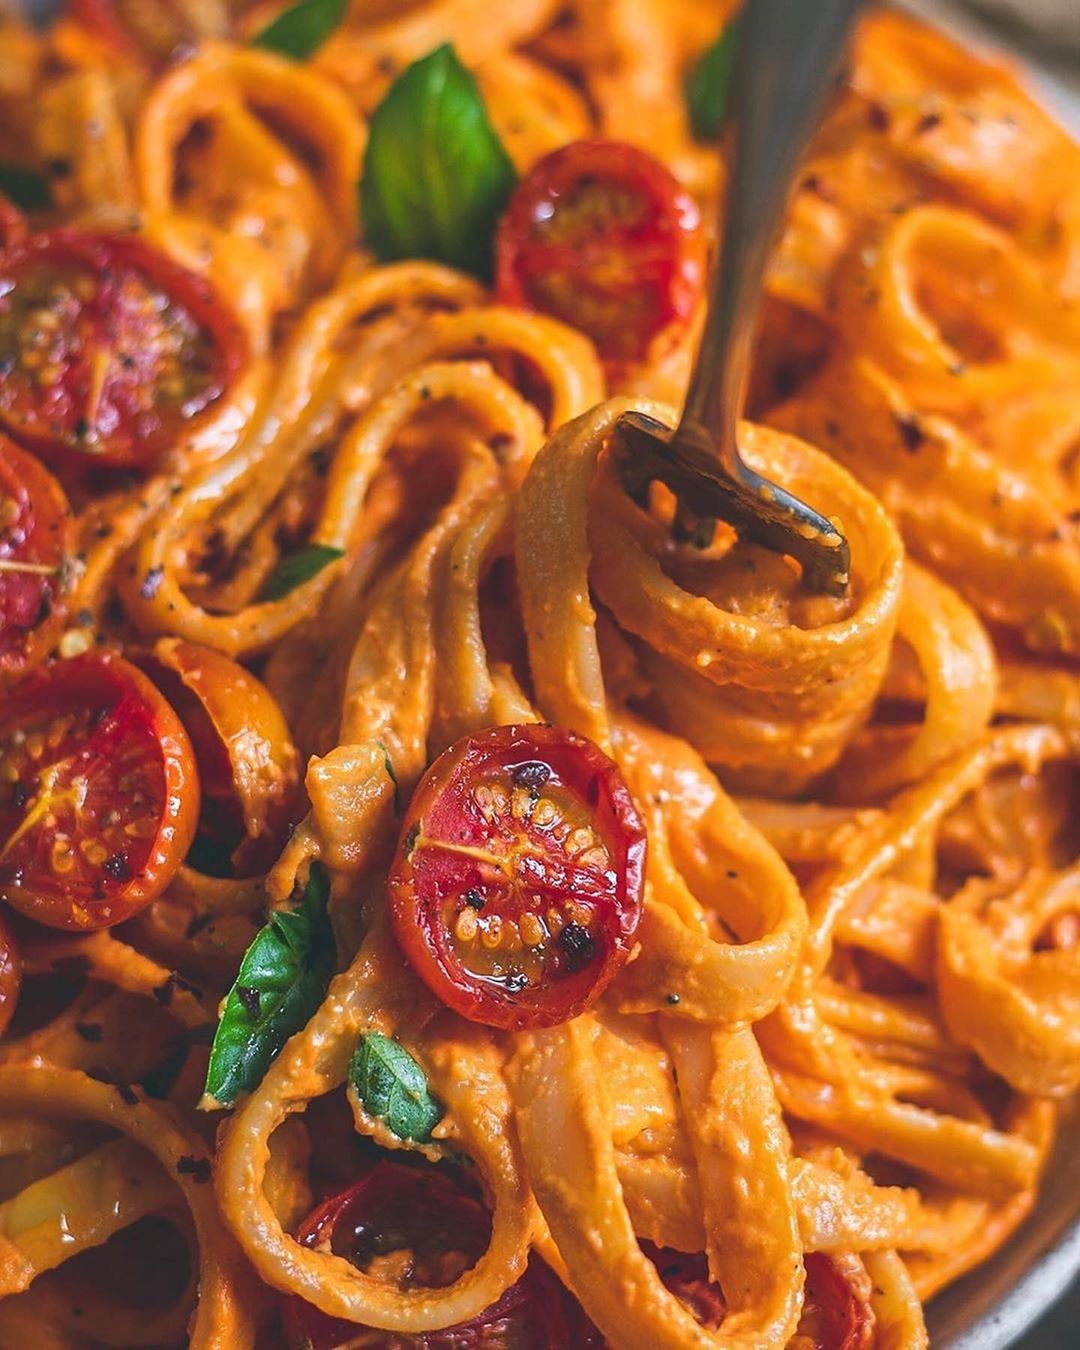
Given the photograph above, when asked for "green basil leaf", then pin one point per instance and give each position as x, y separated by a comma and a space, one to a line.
394, 1088
301, 30
25, 188
709, 84
296, 568
281, 981
436, 176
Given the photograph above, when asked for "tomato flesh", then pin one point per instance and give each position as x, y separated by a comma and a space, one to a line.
98, 793
10, 973
107, 347
602, 236
516, 888
836, 1306
414, 1227
36, 535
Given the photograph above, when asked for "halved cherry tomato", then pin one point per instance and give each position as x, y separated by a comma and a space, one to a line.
836, 1305
516, 888
36, 537
836, 1313
415, 1227
601, 235
245, 756
98, 793
10, 973
107, 347
686, 1275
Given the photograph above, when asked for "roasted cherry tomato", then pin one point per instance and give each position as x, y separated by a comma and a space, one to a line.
415, 1227
36, 535
107, 347
10, 973
516, 888
602, 236
686, 1275
245, 756
836, 1305
836, 1312
98, 793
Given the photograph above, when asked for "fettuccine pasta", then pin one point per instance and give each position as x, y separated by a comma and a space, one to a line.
443, 905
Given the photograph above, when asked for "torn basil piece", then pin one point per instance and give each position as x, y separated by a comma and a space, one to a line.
393, 1087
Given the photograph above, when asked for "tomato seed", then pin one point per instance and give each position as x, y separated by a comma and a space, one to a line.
465, 929
491, 933
93, 851
594, 857
579, 840
532, 930
61, 857
545, 813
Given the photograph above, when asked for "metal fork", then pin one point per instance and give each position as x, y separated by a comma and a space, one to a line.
785, 61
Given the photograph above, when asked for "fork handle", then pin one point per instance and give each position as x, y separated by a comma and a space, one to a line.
784, 63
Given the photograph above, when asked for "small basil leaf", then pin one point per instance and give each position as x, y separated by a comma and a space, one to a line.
296, 568
436, 176
25, 188
709, 84
394, 1088
281, 981
301, 30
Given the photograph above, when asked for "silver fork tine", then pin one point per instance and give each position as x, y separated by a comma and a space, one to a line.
786, 57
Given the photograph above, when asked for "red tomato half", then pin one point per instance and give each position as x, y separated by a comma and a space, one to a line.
107, 347
36, 535
414, 1227
98, 793
836, 1313
602, 236
836, 1306
686, 1275
516, 888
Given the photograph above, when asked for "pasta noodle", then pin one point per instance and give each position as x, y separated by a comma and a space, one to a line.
820, 1080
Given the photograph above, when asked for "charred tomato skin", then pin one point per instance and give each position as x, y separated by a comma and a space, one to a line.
516, 888
109, 347
602, 235
36, 529
99, 795
409, 1205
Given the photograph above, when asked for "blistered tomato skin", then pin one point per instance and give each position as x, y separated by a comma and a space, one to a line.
602, 236
516, 888
99, 795
36, 538
414, 1226
108, 348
